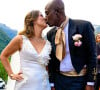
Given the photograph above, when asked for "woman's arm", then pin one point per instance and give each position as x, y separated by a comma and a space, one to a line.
12, 47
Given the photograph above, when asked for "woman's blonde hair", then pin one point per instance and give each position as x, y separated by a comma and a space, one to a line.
29, 23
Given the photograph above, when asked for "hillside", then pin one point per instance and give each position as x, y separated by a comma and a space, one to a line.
4, 40
6, 34
10, 32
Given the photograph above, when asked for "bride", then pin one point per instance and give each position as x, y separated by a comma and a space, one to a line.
34, 55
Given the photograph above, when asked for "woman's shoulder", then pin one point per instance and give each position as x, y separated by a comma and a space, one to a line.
18, 37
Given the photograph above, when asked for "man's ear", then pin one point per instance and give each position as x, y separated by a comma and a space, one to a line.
57, 12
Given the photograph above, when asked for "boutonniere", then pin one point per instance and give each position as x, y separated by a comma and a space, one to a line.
77, 40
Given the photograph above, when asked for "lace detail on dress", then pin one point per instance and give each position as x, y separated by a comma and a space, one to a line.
42, 58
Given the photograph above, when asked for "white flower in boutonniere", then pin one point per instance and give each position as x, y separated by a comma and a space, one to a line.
77, 41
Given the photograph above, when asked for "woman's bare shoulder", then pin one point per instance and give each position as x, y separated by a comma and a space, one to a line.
17, 38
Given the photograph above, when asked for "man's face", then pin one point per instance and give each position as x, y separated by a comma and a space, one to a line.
51, 17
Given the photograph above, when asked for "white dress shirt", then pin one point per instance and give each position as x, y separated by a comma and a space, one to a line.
66, 64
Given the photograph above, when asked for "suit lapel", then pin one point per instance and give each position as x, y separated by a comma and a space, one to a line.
53, 38
71, 29
71, 32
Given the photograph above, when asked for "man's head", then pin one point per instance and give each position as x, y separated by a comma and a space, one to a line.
55, 13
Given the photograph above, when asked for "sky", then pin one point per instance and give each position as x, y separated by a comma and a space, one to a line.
12, 12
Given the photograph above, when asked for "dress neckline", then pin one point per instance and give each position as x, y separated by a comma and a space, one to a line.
39, 53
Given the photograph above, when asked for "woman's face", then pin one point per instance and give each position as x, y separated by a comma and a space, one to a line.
41, 21
98, 38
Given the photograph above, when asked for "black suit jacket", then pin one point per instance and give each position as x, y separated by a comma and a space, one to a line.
80, 56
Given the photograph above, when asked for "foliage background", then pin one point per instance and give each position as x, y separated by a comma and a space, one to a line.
3, 73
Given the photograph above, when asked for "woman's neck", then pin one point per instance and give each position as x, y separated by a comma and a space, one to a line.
37, 32
37, 37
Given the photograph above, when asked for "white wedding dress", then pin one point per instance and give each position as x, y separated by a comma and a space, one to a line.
33, 66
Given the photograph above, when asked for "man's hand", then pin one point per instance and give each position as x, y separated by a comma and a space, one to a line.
89, 87
52, 88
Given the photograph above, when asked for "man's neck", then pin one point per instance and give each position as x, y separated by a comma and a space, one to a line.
63, 24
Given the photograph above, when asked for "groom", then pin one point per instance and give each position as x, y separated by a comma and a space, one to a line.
77, 70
